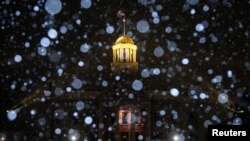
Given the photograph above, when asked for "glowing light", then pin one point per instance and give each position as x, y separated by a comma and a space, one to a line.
178, 137
175, 137
73, 135
73, 138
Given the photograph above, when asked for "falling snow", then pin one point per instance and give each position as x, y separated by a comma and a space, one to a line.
80, 105
199, 27
52, 33
12, 115
158, 51
58, 81
223, 98
86, 3
174, 92
18, 58
45, 42
77, 83
137, 85
88, 120
84, 48
185, 61
53, 6
142, 26
110, 29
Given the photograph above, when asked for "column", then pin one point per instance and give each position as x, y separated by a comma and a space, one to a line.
134, 55
119, 55
127, 54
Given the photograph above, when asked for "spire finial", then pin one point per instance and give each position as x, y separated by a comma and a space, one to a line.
122, 15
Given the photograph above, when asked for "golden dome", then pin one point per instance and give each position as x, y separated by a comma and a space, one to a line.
124, 39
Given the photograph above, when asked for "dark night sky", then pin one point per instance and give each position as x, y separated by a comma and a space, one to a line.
228, 22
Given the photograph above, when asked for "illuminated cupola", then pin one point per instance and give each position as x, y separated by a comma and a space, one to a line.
124, 53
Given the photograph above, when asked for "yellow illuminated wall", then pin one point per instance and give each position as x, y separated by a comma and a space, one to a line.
124, 54
124, 50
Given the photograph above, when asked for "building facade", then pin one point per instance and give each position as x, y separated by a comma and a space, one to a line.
119, 112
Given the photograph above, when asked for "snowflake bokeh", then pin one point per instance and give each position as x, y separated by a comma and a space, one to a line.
57, 82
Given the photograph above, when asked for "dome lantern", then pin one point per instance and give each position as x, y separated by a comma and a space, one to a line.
124, 53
